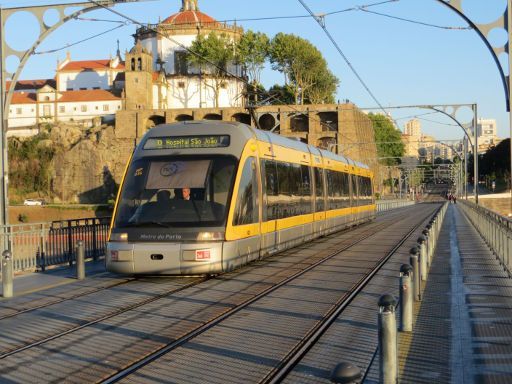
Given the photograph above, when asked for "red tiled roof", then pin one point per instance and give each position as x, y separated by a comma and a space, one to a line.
89, 65
31, 84
23, 98
87, 95
188, 17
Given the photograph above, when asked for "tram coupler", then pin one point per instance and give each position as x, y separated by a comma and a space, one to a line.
388, 349
7, 274
406, 297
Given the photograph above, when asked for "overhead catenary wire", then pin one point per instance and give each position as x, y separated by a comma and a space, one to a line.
345, 58
133, 21
80, 41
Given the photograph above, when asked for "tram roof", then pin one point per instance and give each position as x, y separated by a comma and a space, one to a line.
247, 132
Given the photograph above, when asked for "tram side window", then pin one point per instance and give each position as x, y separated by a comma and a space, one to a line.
246, 211
345, 190
305, 189
333, 190
356, 191
286, 205
319, 190
271, 190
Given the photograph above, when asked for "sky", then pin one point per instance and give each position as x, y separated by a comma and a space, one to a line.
427, 58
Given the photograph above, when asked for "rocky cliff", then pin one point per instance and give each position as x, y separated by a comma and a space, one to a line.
88, 164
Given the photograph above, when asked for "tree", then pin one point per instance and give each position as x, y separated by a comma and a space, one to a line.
212, 55
304, 68
388, 139
252, 51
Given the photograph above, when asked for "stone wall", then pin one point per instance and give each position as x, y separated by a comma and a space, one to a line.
341, 128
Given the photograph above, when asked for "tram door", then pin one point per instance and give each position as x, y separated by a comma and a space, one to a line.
246, 217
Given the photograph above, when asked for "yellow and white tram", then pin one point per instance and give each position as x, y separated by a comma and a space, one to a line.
204, 197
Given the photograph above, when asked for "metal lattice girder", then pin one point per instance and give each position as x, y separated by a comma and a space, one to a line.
44, 30
483, 31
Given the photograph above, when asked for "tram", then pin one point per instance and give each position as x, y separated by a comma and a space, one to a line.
205, 197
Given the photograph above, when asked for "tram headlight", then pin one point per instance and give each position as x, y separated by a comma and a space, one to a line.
121, 237
209, 236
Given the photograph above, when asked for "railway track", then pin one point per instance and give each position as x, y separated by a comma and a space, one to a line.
133, 313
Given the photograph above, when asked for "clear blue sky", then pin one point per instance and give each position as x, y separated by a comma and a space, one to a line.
402, 63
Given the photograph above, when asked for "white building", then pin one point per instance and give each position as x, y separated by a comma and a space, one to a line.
413, 128
156, 75
487, 134
176, 84
88, 74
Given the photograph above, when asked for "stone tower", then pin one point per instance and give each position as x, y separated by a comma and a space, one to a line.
139, 78
189, 5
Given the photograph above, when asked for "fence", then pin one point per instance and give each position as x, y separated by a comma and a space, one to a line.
495, 229
387, 205
37, 246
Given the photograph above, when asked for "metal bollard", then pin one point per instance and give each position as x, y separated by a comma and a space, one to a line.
413, 259
423, 258
406, 291
388, 367
80, 260
431, 236
7, 276
425, 234
346, 373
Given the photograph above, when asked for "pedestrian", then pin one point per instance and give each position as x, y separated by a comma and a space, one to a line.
454, 199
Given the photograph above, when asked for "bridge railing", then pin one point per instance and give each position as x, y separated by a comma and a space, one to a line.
387, 205
40, 245
495, 229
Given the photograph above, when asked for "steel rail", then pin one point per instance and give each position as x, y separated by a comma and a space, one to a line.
102, 318
48, 304
213, 322
300, 350
106, 317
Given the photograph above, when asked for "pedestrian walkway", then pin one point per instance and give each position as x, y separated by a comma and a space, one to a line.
38, 281
463, 327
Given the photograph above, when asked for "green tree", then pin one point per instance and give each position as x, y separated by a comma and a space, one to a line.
252, 51
303, 66
212, 55
30, 164
388, 139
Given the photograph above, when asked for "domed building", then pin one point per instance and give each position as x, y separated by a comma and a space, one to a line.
158, 75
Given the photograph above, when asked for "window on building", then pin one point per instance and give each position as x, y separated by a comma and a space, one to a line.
180, 63
96, 107
83, 108
19, 111
83, 89
118, 107
47, 98
181, 84
96, 88
62, 109
69, 89
106, 107
74, 109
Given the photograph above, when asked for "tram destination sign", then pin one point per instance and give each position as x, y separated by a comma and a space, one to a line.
186, 142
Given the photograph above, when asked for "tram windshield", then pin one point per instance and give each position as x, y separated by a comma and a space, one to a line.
176, 192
